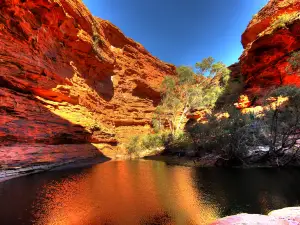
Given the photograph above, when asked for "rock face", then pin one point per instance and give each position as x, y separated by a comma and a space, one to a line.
286, 216
67, 77
270, 41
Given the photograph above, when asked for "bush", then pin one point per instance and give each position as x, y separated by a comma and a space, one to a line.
160, 141
229, 137
152, 141
284, 122
283, 20
181, 142
278, 129
134, 145
294, 61
139, 144
292, 92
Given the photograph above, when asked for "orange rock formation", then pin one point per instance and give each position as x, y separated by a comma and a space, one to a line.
269, 41
67, 77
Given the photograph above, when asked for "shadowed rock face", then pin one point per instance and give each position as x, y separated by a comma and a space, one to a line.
67, 77
269, 41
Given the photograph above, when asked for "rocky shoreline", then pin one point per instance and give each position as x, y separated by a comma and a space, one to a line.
206, 161
209, 160
14, 172
252, 159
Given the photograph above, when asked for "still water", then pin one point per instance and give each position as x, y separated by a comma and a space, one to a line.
144, 192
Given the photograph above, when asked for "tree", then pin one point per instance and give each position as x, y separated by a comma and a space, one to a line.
205, 65
208, 66
180, 94
185, 91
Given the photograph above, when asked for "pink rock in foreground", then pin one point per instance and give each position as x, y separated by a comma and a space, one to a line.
286, 216
291, 213
247, 219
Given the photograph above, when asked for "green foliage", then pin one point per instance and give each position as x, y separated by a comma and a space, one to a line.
292, 92
205, 65
181, 94
213, 69
283, 20
159, 141
284, 122
156, 123
150, 142
179, 142
211, 96
221, 69
294, 61
229, 137
185, 75
185, 91
134, 145
168, 85
278, 129
232, 91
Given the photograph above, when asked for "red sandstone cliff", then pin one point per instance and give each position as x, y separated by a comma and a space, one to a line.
68, 78
269, 41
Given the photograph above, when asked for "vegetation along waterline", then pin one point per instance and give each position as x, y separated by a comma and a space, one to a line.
194, 120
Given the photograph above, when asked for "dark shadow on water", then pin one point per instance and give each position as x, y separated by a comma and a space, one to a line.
249, 190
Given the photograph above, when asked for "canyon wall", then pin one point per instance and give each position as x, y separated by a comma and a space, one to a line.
71, 84
74, 86
271, 41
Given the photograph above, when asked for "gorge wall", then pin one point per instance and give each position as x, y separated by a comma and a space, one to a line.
74, 86
270, 40
71, 85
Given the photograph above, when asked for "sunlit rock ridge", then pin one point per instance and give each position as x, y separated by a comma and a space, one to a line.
71, 84
270, 40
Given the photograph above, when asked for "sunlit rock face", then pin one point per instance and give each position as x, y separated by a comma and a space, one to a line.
67, 77
270, 39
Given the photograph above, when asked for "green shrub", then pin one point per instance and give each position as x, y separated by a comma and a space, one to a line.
188, 90
141, 143
229, 137
284, 122
152, 141
160, 141
181, 141
283, 20
134, 145
294, 61
292, 92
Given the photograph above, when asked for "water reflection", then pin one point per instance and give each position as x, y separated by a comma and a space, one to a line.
135, 192
144, 192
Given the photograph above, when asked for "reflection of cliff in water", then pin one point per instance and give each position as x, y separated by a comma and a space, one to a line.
130, 192
248, 190
179, 195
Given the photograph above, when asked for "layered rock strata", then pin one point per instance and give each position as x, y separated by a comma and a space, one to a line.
71, 84
272, 49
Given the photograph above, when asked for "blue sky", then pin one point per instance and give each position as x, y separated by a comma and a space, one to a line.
182, 32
